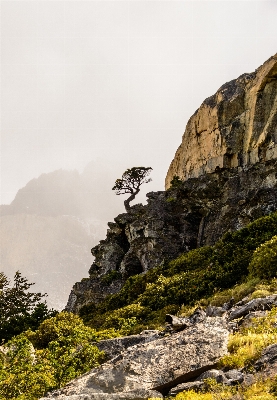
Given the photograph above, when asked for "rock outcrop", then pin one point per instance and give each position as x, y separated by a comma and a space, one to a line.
156, 365
236, 127
114, 347
196, 213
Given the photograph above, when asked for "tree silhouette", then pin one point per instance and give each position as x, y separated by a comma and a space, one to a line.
130, 182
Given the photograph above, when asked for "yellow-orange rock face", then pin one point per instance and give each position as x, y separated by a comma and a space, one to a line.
235, 127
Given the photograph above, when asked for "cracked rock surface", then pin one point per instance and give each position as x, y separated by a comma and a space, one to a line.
157, 365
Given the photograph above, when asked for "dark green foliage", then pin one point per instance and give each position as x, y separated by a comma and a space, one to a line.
19, 308
192, 276
176, 182
110, 277
132, 179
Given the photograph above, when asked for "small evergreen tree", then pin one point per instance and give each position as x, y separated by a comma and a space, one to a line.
20, 309
130, 182
176, 182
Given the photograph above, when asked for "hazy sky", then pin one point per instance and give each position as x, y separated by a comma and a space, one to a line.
116, 81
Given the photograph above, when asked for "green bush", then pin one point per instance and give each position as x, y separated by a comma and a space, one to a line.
110, 277
61, 326
264, 261
25, 374
33, 363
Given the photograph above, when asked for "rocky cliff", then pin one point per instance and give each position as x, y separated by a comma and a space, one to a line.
236, 127
228, 165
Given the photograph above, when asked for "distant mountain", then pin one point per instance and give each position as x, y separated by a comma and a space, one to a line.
49, 228
63, 192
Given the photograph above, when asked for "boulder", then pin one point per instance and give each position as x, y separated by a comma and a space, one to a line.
182, 387
213, 311
179, 323
261, 304
114, 347
215, 374
234, 377
267, 363
230, 378
248, 319
156, 365
135, 395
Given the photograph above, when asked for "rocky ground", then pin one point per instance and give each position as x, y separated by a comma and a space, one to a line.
158, 364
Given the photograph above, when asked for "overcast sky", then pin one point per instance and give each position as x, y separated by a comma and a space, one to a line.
116, 81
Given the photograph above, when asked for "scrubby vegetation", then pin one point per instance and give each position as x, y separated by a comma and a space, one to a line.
37, 361
241, 257
53, 351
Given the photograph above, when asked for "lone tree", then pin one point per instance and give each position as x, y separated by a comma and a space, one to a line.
131, 181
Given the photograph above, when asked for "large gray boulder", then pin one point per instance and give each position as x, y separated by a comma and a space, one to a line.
156, 365
114, 347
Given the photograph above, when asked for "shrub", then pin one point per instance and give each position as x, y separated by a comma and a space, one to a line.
24, 373
61, 326
192, 395
125, 318
264, 261
63, 349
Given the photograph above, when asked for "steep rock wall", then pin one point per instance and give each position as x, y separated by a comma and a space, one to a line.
236, 127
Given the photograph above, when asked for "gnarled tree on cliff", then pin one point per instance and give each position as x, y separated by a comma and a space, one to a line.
131, 181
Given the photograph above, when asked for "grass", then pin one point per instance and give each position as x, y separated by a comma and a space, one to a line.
262, 389
245, 346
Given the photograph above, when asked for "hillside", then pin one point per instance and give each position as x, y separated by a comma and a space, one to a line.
180, 301
220, 345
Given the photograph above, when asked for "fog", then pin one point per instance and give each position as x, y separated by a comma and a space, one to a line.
116, 81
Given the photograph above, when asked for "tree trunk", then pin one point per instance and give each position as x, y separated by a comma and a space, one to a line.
127, 201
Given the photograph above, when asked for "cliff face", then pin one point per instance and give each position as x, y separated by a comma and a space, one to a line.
236, 127
196, 213
228, 161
